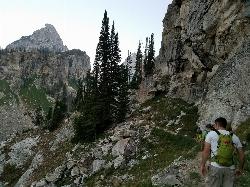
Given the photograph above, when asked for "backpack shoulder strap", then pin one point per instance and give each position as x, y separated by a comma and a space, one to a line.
217, 132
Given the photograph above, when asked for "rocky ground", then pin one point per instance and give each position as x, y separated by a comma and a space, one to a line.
153, 147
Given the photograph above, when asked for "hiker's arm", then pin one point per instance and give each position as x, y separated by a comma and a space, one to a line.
241, 158
205, 153
204, 158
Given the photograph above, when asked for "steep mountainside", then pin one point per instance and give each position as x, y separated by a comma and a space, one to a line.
206, 52
33, 71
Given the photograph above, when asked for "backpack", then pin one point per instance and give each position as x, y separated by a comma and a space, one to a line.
225, 151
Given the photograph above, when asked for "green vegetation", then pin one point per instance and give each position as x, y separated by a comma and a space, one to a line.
243, 132
106, 89
164, 148
49, 164
33, 96
6, 94
59, 112
73, 83
10, 174
64, 181
137, 77
149, 56
161, 147
167, 109
195, 176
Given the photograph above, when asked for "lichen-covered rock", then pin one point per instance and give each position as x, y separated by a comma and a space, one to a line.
13, 120
228, 91
65, 134
119, 147
2, 162
36, 162
54, 176
75, 171
97, 165
164, 179
200, 42
118, 161
22, 152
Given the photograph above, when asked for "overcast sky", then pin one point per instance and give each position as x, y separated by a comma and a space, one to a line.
79, 21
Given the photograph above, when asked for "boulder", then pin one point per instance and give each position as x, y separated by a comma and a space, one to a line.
75, 171
118, 161
165, 179
97, 165
119, 147
22, 151
53, 177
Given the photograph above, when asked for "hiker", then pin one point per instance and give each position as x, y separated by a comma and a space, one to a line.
221, 144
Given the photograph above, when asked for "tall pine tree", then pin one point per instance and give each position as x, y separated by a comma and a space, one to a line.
149, 59
151, 56
106, 89
78, 101
122, 98
85, 124
145, 60
137, 77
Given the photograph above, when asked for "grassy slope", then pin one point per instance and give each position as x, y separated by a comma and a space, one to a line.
163, 146
33, 96
8, 94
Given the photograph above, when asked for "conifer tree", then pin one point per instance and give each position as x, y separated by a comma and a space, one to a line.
151, 56
39, 117
149, 60
109, 60
59, 111
85, 124
122, 98
137, 77
145, 60
49, 115
115, 60
105, 99
78, 101
59, 114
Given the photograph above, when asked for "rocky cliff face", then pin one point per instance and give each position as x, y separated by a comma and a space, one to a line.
33, 71
205, 51
44, 38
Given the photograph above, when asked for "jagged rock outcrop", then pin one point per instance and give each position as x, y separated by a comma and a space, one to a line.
45, 38
205, 51
33, 72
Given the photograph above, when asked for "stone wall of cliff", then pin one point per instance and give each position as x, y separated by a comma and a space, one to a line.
205, 51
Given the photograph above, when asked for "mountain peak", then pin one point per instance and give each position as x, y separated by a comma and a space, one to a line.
44, 38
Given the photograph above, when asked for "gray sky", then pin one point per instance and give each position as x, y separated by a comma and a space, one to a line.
79, 21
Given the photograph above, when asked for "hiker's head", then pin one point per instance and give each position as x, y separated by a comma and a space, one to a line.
220, 122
